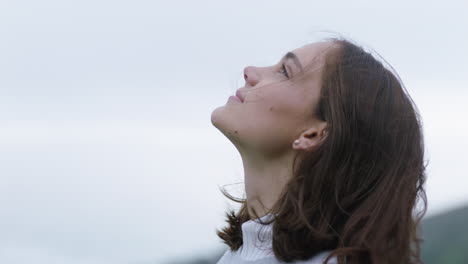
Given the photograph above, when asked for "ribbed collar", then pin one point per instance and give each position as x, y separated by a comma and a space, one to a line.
253, 248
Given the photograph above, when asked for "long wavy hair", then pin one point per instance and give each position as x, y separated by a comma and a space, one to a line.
357, 193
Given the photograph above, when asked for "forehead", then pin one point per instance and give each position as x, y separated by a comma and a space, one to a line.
312, 53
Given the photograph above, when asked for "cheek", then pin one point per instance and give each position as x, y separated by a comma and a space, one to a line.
277, 106
288, 103
271, 119
282, 110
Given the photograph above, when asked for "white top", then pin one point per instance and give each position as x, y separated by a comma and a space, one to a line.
254, 251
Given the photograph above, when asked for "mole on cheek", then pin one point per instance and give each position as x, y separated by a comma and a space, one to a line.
235, 131
271, 108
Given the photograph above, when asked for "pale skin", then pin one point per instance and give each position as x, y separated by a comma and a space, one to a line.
276, 111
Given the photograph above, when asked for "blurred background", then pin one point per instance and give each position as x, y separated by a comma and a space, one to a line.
107, 152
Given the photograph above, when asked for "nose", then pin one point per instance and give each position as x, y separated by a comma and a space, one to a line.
251, 75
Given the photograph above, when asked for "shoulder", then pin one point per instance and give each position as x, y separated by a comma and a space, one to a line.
319, 259
225, 257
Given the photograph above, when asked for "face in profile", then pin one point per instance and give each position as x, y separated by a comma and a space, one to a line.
277, 103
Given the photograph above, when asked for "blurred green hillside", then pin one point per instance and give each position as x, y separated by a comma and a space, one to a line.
445, 240
446, 237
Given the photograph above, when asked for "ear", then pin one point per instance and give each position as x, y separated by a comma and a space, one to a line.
312, 137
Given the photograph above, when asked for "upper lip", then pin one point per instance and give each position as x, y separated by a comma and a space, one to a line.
238, 94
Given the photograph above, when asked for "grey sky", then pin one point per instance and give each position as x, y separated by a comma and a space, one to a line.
105, 134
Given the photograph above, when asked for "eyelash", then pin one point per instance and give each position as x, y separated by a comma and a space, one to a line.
284, 70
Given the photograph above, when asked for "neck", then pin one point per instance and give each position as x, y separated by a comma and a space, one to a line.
265, 179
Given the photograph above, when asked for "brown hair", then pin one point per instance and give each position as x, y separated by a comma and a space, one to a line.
356, 193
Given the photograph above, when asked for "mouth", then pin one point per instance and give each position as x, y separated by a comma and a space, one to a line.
239, 95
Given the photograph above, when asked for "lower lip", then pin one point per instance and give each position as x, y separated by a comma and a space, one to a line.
232, 97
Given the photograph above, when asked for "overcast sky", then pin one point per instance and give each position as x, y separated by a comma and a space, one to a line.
107, 152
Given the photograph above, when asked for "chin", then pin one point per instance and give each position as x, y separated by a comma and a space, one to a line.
223, 121
217, 116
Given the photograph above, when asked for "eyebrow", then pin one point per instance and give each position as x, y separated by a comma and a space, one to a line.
290, 55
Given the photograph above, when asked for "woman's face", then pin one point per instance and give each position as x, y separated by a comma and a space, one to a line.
276, 107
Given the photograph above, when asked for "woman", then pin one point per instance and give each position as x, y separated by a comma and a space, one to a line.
333, 156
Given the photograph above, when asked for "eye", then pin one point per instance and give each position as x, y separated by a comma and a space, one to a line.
284, 71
